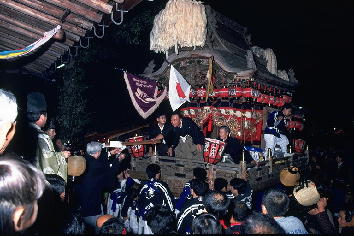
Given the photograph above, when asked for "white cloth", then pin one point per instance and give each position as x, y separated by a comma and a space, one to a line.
271, 141
143, 227
179, 89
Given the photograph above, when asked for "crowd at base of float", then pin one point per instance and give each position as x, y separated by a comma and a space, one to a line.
45, 190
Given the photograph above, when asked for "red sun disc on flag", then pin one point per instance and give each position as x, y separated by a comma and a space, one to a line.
180, 91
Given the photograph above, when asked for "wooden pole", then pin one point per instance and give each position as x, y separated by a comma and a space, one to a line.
75, 30
77, 9
98, 5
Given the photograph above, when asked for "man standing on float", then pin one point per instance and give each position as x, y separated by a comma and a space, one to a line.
274, 133
187, 138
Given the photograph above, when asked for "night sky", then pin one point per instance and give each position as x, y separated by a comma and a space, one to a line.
315, 38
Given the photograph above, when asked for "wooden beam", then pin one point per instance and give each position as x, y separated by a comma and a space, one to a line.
77, 9
127, 5
59, 12
33, 69
36, 65
55, 47
25, 31
14, 45
32, 24
47, 57
98, 5
44, 17
42, 62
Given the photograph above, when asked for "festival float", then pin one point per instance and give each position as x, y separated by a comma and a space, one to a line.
233, 83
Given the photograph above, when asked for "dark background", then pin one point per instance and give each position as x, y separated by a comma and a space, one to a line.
314, 38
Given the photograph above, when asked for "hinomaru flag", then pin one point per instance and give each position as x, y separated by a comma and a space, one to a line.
179, 89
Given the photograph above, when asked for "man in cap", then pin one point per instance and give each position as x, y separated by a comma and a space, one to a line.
50, 161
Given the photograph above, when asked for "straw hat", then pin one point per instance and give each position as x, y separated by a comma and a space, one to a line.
289, 176
306, 195
102, 219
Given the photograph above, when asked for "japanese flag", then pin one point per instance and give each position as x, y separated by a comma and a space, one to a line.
179, 89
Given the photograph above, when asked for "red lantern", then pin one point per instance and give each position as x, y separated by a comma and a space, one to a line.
137, 150
299, 145
213, 150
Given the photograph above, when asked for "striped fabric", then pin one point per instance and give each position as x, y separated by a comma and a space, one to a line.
20, 52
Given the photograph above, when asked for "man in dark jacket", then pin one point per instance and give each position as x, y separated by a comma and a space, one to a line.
274, 133
161, 131
233, 146
192, 207
184, 127
154, 192
99, 176
199, 174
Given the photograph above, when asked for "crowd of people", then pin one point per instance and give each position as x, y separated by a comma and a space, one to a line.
37, 197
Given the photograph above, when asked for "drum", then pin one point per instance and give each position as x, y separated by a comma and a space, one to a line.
213, 150
137, 150
299, 145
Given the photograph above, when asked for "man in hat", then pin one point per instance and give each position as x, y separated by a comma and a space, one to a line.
185, 132
50, 161
274, 133
161, 131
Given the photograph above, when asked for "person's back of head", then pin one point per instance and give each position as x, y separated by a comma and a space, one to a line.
152, 170
57, 183
21, 185
113, 226
73, 224
239, 184
206, 224
199, 187
257, 223
36, 106
239, 211
216, 203
8, 114
161, 220
220, 184
200, 173
275, 203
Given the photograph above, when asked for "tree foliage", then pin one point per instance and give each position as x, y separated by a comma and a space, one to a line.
72, 113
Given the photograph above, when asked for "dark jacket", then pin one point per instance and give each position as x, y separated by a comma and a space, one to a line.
98, 177
233, 148
25, 142
188, 128
153, 193
275, 126
184, 196
167, 131
192, 208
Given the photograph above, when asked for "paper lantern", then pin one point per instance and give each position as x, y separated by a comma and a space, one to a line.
76, 165
213, 150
